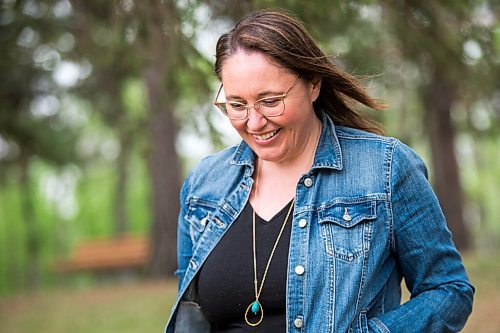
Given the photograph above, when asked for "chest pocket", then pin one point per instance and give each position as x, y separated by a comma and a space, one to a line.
346, 227
199, 214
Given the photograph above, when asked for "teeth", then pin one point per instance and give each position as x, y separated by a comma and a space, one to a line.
266, 135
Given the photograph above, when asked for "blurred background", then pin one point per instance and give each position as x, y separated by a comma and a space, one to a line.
105, 106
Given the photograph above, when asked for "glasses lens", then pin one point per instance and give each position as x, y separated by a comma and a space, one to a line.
222, 107
268, 107
236, 110
272, 107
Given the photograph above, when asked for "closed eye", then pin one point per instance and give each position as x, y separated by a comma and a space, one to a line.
271, 101
237, 106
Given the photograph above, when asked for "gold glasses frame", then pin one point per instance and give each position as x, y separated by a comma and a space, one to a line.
257, 105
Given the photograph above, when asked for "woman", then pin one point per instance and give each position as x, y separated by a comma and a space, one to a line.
310, 224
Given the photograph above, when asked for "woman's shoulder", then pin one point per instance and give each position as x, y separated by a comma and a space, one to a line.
364, 144
357, 140
349, 133
213, 176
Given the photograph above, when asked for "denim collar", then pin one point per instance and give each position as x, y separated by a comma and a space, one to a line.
328, 153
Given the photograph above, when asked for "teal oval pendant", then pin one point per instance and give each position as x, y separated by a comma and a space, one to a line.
255, 307
258, 313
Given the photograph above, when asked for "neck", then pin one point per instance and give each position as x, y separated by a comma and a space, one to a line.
270, 176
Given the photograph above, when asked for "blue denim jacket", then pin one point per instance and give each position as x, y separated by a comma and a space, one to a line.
365, 217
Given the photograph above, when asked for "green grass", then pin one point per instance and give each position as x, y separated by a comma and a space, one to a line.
144, 306
125, 308
484, 273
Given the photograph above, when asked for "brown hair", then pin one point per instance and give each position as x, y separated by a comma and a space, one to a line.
284, 39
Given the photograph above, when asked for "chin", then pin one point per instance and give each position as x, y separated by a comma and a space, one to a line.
269, 157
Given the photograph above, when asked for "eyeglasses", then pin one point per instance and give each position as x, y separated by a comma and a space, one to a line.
271, 106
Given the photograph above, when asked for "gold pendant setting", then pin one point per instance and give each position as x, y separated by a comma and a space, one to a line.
255, 307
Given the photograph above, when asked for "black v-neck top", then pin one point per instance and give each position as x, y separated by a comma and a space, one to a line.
225, 281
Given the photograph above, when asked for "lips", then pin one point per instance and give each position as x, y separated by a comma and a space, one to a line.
266, 136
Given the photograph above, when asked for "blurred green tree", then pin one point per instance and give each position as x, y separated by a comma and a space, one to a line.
105, 40
31, 128
438, 63
145, 41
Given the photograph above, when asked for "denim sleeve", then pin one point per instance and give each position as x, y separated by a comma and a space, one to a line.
184, 244
441, 294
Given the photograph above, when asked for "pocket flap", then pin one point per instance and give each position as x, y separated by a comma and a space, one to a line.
200, 212
348, 213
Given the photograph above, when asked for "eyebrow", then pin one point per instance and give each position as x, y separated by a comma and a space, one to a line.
261, 95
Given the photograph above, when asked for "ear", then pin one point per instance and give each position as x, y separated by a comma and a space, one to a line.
316, 88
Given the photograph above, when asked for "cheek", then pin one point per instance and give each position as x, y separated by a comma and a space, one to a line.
297, 117
239, 126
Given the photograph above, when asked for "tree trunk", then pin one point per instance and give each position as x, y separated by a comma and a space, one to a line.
165, 176
163, 162
439, 95
430, 44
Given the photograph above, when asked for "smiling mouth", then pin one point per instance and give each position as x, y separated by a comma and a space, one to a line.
266, 136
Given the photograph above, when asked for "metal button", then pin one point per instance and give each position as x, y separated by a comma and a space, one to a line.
193, 264
298, 322
302, 223
346, 216
205, 219
299, 270
308, 182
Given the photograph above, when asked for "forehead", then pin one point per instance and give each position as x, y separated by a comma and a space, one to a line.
251, 73
241, 58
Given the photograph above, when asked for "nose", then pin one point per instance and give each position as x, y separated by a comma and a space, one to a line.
255, 120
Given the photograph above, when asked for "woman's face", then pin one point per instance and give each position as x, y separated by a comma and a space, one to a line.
248, 77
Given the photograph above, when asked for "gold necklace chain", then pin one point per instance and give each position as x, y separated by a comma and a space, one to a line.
255, 306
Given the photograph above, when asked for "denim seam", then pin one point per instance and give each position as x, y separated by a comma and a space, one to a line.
345, 135
201, 202
366, 239
333, 291
390, 160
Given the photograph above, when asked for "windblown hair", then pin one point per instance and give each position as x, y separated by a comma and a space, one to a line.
285, 41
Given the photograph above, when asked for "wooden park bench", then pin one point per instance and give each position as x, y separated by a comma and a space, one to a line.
107, 254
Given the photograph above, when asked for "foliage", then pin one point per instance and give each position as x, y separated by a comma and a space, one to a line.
76, 114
